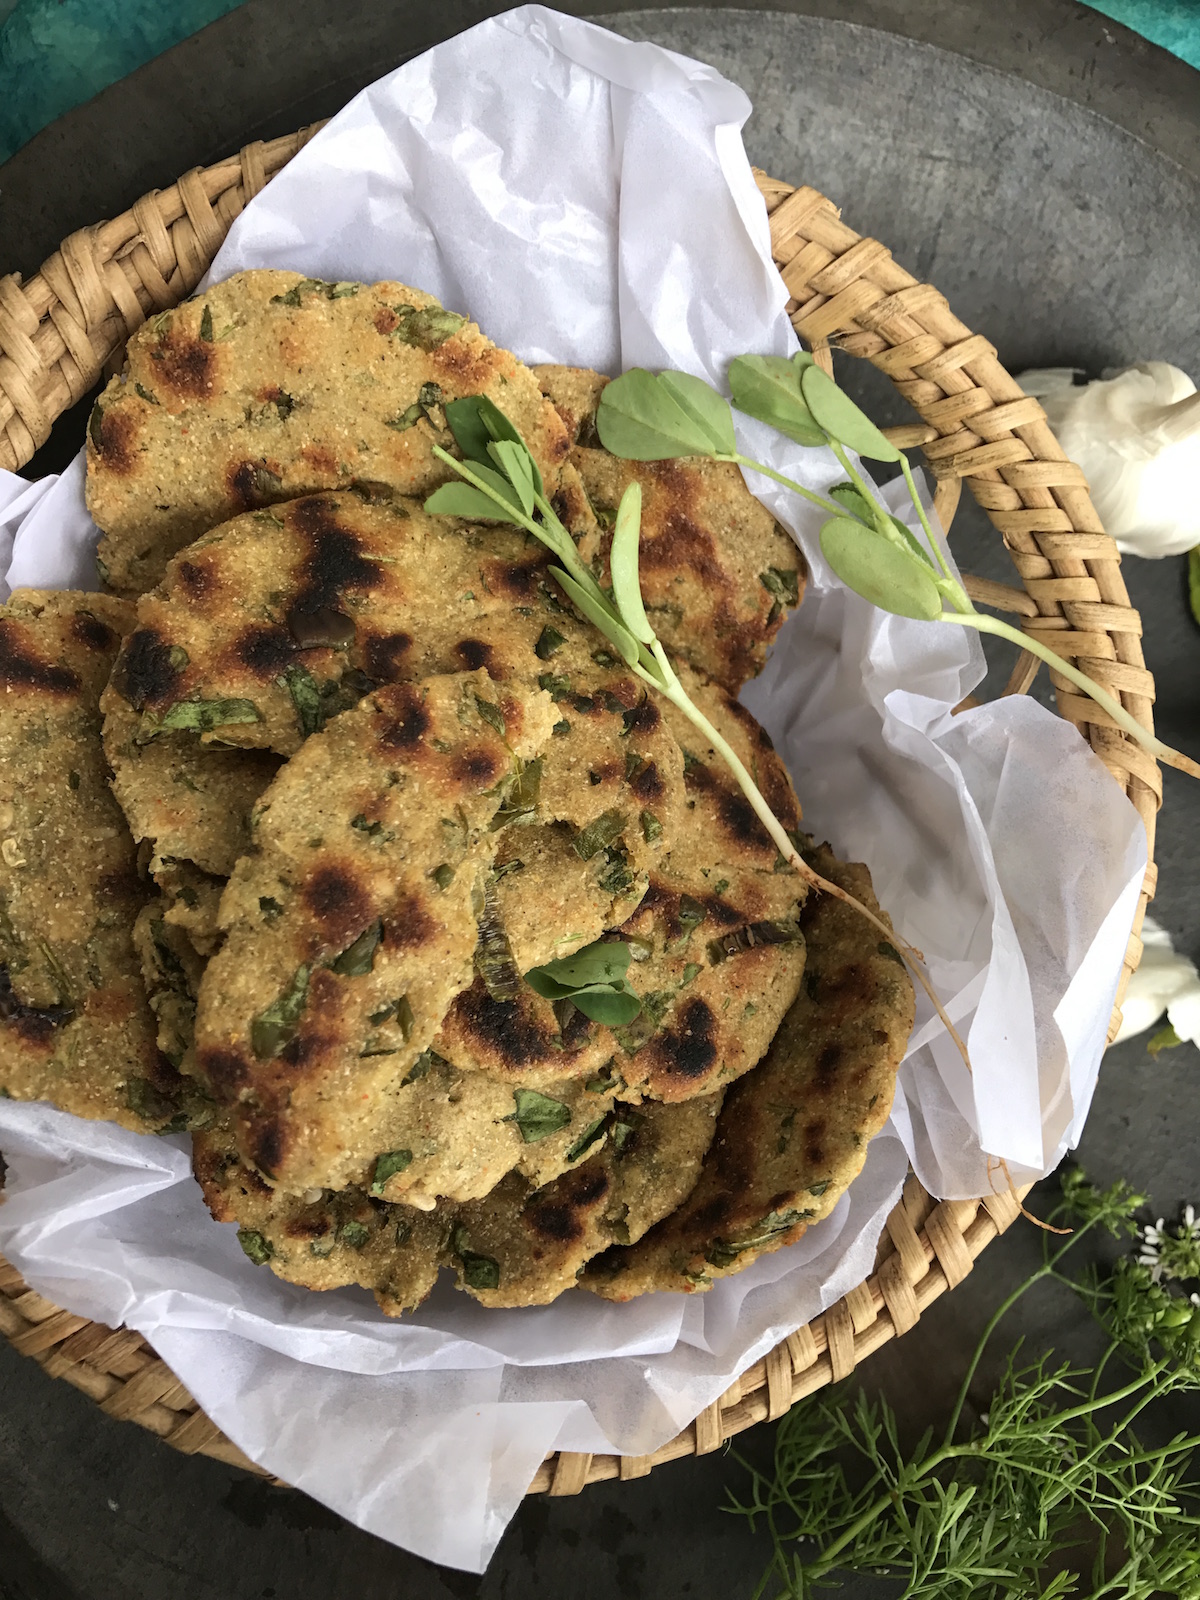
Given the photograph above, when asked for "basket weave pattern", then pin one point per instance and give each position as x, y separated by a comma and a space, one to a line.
59, 330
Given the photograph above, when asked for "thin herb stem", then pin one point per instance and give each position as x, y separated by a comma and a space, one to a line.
920, 510
1046, 1270
1003, 630
788, 483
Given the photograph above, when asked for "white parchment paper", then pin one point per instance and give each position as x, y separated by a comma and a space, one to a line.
588, 201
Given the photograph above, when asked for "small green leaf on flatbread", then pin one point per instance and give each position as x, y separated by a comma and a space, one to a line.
834, 411
515, 462
537, 1116
387, 1166
476, 422
479, 1272
306, 697
590, 1137
256, 1246
595, 611
601, 962
613, 1005
870, 564
589, 841
464, 500
427, 328
357, 959
274, 1029
200, 716
768, 388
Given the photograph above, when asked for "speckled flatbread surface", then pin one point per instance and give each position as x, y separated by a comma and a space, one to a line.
793, 1134
75, 1026
271, 385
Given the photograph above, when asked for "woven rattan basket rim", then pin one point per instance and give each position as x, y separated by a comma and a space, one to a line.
61, 330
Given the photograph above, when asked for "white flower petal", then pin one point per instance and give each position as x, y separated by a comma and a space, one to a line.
1164, 981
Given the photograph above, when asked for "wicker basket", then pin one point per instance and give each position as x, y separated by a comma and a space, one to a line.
58, 332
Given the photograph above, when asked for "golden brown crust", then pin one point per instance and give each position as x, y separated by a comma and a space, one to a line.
269, 386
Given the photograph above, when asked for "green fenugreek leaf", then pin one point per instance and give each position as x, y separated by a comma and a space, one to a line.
256, 1246
549, 640
477, 423
274, 1029
492, 715
306, 696
641, 418
206, 325
357, 959
520, 801
781, 584
652, 828
590, 1137
355, 1234
605, 961
479, 1272
589, 841
596, 612
537, 1116
870, 564
708, 410
201, 716
464, 500
427, 328
834, 411
515, 462
443, 875
387, 1166
768, 388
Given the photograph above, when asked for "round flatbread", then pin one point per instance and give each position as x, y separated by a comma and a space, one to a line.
269, 386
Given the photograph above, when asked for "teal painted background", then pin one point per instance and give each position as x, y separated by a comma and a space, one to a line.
54, 54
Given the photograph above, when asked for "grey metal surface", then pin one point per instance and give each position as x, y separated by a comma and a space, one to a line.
1062, 236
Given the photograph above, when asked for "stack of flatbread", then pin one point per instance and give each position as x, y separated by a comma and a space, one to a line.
288, 816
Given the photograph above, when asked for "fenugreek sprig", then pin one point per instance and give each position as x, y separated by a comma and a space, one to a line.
647, 417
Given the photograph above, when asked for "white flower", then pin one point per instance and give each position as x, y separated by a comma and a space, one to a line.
1163, 981
1136, 434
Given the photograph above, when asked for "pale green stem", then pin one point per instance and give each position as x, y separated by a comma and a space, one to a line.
1027, 641
788, 483
857, 479
920, 510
